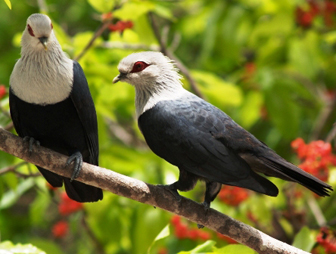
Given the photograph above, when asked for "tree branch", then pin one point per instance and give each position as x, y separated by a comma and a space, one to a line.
184, 70
146, 193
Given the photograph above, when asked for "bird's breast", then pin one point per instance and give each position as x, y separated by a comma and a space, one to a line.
42, 83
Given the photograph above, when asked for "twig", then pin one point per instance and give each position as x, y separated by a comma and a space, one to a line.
94, 37
184, 70
323, 117
99, 247
331, 134
11, 168
148, 194
316, 210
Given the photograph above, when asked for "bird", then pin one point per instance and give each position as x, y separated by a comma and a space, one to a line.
51, 105
200, 139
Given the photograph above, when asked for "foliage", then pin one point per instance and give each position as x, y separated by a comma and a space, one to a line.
269, 64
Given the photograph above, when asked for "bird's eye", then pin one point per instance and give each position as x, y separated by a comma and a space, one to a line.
30, 30
139, 66
51, 25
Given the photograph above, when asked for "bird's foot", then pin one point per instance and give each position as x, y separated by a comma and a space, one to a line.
78, 161
206, 206
171, 188
31, 142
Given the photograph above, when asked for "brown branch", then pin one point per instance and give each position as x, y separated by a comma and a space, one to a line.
146, 193
94, 37
184, 70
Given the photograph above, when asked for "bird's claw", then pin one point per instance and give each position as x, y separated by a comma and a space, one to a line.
206, 206
172, 190
78, 161
31, 142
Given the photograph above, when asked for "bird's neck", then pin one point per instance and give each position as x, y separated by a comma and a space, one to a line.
148, 95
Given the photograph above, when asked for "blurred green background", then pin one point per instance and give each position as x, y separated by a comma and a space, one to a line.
269, 64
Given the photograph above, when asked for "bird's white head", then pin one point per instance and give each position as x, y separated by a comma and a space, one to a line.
38, 34
154, 77
148, 70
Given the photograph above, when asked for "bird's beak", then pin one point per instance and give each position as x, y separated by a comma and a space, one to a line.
44, 41
120, 77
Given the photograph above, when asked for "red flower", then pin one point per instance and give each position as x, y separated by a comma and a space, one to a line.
327, 239
68, 206
316, 157
232, 195
60, 229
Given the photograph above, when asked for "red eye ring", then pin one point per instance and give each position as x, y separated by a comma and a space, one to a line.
30, 30
139, 66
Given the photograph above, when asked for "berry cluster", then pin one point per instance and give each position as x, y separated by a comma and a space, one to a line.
183, 231
119, 26
315, 157
66, 207
327, 240
325, 9
232, 195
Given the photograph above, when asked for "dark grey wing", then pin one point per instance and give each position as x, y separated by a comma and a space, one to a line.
183, 132
14, 105
82, 100
14, 112
263, 159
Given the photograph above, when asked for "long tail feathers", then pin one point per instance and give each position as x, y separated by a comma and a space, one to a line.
298, 175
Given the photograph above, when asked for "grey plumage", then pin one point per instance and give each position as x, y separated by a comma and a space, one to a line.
201, 140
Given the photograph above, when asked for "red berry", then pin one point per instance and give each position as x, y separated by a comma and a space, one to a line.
60, 229
181, 231
232, 195
2, 91
175, 220
68, 206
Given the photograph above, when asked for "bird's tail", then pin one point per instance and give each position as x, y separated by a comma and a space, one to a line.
295, 174
82, 192
256, 183
77, 191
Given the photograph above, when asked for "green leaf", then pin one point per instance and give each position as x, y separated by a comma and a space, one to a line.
305, 239
163, 234
205, 247
8, 4
133, 10
235, 248
102, 6
11, 196
19, 248
218, 91
250, 110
